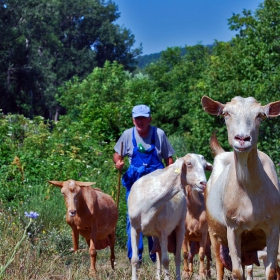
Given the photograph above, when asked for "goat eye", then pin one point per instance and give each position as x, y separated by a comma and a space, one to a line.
261, 116
226, 114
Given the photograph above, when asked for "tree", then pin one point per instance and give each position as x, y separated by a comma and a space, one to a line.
102, 102
43, 44
176, 77
246, 66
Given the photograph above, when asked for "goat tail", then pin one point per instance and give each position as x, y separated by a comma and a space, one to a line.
215, 146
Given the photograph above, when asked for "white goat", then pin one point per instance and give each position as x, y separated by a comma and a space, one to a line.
157, 207
242, 194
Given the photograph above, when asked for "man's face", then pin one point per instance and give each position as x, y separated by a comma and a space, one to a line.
142, 124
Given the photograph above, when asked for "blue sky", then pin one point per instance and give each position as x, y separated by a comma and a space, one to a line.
159, 24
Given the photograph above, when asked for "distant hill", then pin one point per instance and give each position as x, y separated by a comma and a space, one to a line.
145, 60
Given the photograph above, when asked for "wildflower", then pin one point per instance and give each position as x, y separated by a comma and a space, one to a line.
31, 215
3, 268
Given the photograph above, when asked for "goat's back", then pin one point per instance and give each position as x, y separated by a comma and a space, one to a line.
149, 217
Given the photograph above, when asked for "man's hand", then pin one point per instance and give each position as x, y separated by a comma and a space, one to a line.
119, 163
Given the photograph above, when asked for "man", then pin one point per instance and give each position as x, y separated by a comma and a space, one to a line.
145, 146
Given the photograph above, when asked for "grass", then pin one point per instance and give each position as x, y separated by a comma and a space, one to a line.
48, 255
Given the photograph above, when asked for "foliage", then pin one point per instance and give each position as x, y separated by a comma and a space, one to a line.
247, 66
46, 43
37, 155
102, 102
145, 60
178, 109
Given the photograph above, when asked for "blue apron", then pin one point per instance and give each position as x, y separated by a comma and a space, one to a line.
142, 163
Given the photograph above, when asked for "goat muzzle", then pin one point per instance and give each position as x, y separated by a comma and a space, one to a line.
72, 213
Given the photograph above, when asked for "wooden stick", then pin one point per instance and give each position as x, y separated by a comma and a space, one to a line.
119, 179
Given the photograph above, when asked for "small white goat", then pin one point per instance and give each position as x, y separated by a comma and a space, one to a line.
157, 207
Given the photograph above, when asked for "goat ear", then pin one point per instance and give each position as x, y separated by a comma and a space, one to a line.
183, 178
272, 109
56, 183
209, 166
212, 107
174, 173
181, 170
85, 184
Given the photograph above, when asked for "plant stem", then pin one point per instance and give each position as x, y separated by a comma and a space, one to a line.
11, 259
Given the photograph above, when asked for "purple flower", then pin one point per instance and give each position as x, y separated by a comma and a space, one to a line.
31, 215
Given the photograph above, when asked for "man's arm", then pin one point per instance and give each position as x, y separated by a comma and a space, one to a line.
168, 161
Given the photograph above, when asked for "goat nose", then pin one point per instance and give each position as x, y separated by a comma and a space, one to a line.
242, 138
72, 213
202, 184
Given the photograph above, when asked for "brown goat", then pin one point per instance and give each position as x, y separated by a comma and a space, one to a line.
92, 214
196, 240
